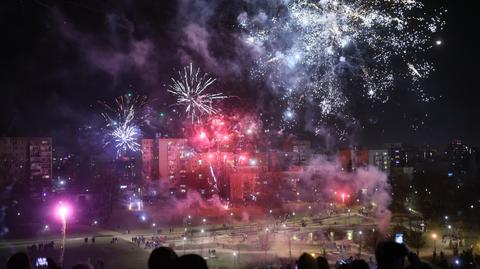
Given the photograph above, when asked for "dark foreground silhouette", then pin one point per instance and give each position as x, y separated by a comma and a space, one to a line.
388, 255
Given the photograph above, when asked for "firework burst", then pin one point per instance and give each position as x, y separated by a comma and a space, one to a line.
123, 121
126, 138
312, 51
191, 91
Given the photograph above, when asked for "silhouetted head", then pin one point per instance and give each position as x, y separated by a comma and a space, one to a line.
306, 261
390, 255
359, 264
322, 263
19, 260
82, 266
420, 265
190, 261
161, 257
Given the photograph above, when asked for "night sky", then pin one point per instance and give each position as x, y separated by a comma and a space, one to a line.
59, 57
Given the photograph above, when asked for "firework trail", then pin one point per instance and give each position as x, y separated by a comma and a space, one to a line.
123, 121
310, 51
215, 185
191, 91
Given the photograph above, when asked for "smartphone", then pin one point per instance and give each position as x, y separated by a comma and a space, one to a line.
41, 262
399, 238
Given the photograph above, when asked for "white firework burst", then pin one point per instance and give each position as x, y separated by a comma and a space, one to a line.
126, 138
123, 121
319, 48
191, 90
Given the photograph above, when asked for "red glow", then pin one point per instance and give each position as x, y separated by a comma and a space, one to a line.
63, 210
203, 135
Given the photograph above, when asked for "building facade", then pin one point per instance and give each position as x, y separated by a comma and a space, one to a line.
379, 158
173, 160
27, 160
150, 163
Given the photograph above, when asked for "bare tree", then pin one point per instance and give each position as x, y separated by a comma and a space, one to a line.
265, 243
416, 240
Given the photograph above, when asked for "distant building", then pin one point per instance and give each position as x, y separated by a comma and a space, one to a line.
243, 183
27, 160
150, 163
380, 159
173, 155
457, 151
429, 154
459, 158
277, 160
360, 159
299, 151
351, 159
65, 169
14, 159
128, 169
403, 155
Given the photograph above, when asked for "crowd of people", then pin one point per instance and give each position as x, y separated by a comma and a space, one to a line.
148, 242
388, 255
41, 247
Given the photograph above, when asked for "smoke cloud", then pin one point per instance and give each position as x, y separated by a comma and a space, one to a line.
370, 184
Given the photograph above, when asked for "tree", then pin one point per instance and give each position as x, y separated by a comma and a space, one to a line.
416, 240
400, 182
372, 239
265, 242
108, 195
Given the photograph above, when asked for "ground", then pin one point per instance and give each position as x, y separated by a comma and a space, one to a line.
236, 246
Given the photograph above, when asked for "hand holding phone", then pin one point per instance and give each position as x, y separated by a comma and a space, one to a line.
399, 238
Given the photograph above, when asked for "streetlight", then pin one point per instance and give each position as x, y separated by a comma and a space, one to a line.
360, 244
348, 216
434, 236
234, 258
202, 231
184, 239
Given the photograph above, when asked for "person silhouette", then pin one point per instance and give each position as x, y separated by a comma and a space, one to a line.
322, 263
390, 255
19, 260
306, 261
82, 266
162, 257
190, 261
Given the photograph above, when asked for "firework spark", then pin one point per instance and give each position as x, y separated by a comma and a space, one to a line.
125, 137
191, 91
312, 50
123, 121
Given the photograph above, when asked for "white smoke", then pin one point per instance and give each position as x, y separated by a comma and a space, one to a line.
327, 176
